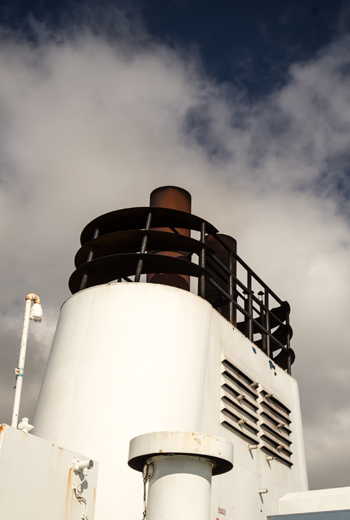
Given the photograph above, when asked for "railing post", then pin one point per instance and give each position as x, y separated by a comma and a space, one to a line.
267, 325
249, 307
143, 247
201, 289
90, 257
230, 263
289, 359
262, 320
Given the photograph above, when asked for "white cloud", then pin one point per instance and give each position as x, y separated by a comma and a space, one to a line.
89, 125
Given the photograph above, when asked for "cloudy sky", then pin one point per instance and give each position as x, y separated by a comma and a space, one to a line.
247, 107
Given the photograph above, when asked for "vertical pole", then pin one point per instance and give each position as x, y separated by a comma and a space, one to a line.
267, 325
201, 288
90, 257
289, 359
249, 306
230, 262
262, 321
143, 247
20, 369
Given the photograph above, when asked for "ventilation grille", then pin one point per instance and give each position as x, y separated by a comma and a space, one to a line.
239, 403
275, 428
258, 418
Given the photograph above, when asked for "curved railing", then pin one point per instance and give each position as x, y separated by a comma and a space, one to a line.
129, 243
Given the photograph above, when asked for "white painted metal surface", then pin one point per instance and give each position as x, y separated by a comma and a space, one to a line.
216, 449
178, 467
128, 359
314, 501
37, 479
180, 488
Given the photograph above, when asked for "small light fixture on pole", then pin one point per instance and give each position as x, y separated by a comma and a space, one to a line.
33, 313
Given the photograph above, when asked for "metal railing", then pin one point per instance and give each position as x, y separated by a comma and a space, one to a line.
241, 297
122, 246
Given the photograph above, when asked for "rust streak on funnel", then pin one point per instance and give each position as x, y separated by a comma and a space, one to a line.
171, 197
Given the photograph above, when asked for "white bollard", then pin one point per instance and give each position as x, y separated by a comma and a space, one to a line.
178, 468
180, 488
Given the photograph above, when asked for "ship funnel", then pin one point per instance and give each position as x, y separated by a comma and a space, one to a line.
154, 244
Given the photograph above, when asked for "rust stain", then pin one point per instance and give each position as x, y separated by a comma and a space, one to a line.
68, 491
2, 427
94, 500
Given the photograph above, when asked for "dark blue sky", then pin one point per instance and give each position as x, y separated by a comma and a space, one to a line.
250, 43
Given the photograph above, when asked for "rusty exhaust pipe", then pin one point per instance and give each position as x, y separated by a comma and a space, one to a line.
171, 197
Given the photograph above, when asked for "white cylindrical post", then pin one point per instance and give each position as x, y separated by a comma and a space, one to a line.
180, 488
19, 370
178, 467
37, 316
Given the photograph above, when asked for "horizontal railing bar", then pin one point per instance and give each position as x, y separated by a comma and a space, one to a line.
223, 266
245, 288
243, 264
238, 294
222, 291
243, 311
261, 304
214, 268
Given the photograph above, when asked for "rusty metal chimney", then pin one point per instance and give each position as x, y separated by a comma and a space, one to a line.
171, 197
155, 242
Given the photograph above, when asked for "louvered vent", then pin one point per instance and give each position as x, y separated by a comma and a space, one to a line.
239, 406
258, 418
275, 428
